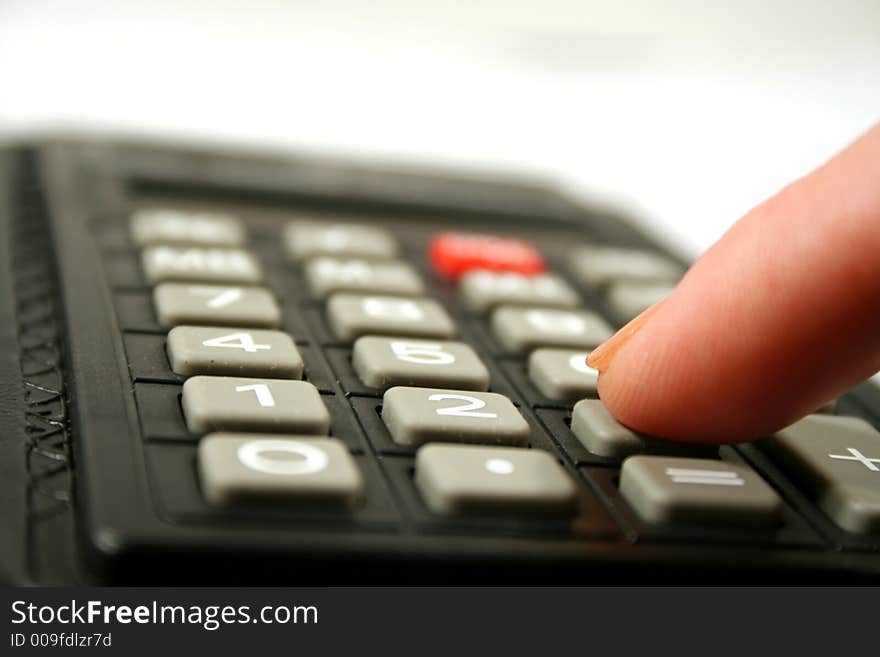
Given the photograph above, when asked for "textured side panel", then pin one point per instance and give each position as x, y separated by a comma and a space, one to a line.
34, 427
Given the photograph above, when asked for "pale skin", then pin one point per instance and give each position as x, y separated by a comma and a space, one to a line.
781, 315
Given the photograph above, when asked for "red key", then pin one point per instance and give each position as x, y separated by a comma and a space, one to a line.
454, 254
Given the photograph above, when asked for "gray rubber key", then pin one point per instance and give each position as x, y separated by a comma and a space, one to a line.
598, 431
199, 265
669, 491
562, 374
601, 434
304, 239
233, 352
837, 459
386, 362
239, 468
221, 403
180, 227
215, 305
595, 266
325, 275
482, 290
459, 479
524, 329
353, 315
629, 299
419, 415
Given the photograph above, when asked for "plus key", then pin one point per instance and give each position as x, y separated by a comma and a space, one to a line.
836, 460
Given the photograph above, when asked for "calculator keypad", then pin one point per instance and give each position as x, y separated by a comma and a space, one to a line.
196, 350
387, 362
215, 305
239, 468
221, 403
419, 415
410, 365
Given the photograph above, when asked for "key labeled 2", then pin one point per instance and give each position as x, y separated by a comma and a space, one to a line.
415, 416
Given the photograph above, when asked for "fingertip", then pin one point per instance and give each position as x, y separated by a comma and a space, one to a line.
600, 358
781, 315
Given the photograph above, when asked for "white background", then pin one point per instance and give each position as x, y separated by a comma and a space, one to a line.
684, 112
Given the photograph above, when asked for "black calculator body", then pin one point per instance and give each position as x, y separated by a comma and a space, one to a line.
106, 475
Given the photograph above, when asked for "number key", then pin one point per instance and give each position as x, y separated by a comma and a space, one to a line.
562, 374
212, 305
246, 468
353, 315
236, 352
386, 362
524, 329
415, 416
221, 403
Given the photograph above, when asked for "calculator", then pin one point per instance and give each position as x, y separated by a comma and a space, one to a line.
234, 368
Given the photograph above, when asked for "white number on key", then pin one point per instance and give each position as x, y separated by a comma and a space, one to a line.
422, 353
200, 260
261, 390
310, 459
236, 341
220, 296
351, 271
391, 308
556, 321
578, 362
468, 409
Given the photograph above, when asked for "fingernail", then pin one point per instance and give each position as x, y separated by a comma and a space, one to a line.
600, 358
